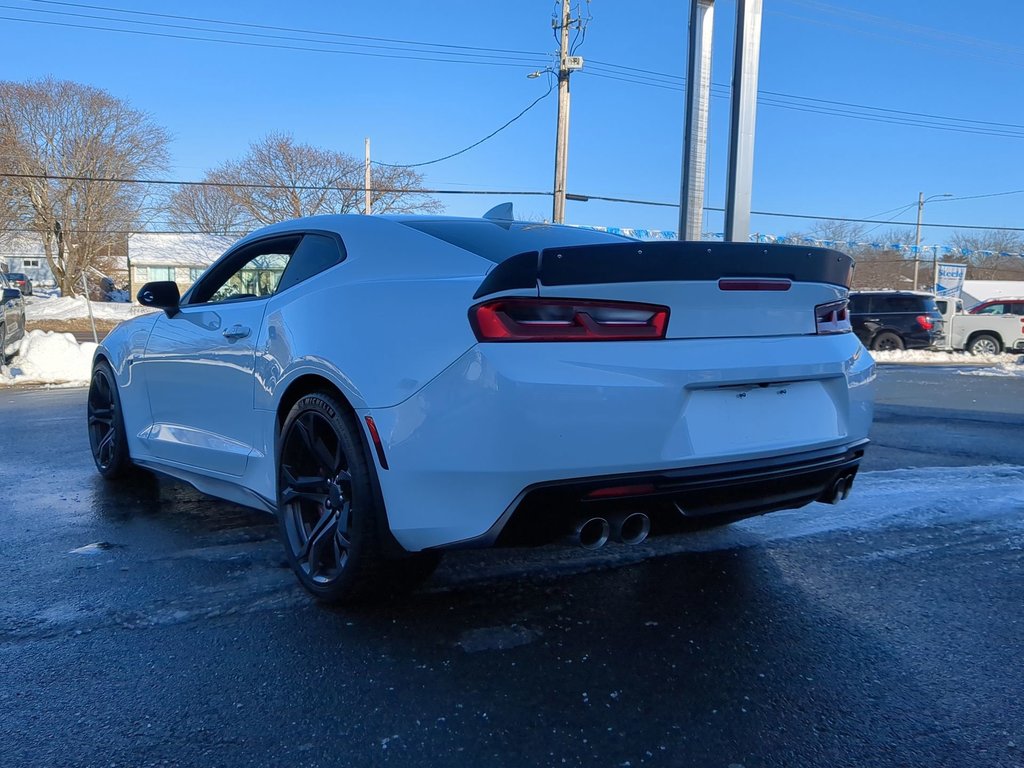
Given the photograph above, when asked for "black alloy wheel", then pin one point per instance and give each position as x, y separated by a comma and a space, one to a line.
329, 512
888, 342
107, 436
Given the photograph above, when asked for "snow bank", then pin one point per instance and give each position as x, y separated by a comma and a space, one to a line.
73, 307
927, 357
45, 357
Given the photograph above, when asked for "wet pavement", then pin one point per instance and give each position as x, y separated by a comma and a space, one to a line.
151, 625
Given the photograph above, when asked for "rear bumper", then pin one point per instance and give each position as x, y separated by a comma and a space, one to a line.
506, 420
726, 492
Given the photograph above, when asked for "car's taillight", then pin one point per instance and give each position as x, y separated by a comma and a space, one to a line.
529, 319
833, 317
925, 322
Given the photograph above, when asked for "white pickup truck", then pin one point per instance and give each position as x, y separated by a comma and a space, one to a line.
980, 334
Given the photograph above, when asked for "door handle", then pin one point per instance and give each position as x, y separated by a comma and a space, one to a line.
236, 332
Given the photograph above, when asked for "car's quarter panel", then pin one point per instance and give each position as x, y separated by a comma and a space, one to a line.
380, 325
122, 348
198, 370
507, 416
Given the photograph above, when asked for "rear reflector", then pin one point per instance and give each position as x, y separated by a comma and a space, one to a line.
539, 319
746, 284
378, 446
833, 317
615, 491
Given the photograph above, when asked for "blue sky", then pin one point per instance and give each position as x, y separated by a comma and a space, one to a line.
958, 61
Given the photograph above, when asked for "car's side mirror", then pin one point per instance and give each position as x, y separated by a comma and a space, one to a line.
11, 294
162, 294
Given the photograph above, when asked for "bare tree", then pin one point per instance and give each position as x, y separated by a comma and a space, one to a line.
58, 137
983, 252
281, 179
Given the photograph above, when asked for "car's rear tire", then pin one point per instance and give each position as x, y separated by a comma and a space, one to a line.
107, 437
328, 513
887, 341
985, 344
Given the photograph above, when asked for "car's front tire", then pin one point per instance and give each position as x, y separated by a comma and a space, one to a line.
328, 512
107, 437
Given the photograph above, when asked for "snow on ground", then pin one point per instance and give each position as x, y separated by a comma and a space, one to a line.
73, 307
928, 357
1014, 368
45, 357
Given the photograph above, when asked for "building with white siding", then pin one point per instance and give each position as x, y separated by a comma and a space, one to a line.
178, 257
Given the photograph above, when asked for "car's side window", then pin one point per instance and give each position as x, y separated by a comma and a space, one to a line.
253, 271
994, 309
314, 254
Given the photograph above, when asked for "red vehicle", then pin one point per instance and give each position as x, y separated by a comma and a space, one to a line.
1002, 305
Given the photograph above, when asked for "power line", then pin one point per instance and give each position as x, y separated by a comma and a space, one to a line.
635, 75
281, 29
475, 144
266, 45
519, 193
316, 41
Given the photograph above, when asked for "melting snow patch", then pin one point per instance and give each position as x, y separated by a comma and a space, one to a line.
1014, 368
45, 357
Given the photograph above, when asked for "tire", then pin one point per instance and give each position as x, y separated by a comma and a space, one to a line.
329, 514
107, 437
985, 344
887, 341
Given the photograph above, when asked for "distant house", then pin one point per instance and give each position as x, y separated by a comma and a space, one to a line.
178, 257
24, 253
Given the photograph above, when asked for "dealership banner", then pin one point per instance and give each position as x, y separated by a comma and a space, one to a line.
950, 280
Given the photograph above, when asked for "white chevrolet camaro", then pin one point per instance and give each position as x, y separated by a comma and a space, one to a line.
392, 387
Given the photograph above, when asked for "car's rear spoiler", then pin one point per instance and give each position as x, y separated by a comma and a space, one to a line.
666, 261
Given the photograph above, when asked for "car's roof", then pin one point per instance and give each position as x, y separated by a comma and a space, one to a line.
998, 299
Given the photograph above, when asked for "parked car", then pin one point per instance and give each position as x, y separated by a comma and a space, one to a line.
1004, 305
892, 320
12, 318
981, 334
392, 387
20, 281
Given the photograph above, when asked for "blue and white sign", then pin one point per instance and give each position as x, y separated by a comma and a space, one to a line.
950, 280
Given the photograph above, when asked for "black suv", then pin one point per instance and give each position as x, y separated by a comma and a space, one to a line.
886, 320
12, 318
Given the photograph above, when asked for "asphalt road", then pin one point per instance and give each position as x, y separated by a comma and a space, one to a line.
154, 626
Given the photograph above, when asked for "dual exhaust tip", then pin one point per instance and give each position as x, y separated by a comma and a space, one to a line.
626, 528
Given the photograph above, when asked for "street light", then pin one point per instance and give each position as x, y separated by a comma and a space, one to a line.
921, 200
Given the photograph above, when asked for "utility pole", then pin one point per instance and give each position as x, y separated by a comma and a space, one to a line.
698, 102
917, 237
367, 182
566, 65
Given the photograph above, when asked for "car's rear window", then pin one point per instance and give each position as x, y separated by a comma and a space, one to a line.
497, 241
